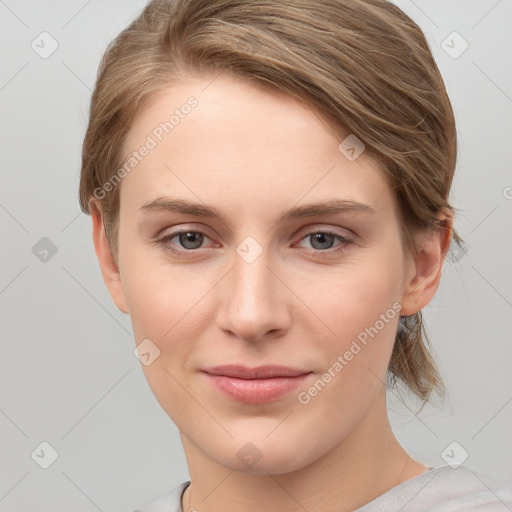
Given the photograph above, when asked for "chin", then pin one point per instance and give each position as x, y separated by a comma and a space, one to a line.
275, 464
275, 453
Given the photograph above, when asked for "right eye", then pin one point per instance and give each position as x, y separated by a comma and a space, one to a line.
189, 240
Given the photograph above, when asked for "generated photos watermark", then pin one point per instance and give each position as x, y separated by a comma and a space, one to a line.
357, 345
156, 136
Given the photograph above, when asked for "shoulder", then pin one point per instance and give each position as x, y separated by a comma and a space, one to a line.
170, 502
444, 489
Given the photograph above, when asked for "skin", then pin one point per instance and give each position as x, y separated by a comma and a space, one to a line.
254, 153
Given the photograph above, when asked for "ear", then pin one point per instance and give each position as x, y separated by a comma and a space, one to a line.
109, 267
424, 270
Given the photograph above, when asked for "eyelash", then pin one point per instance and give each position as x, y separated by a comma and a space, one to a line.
164, 241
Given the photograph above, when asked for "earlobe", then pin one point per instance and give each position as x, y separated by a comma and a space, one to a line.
424, 274
108, 265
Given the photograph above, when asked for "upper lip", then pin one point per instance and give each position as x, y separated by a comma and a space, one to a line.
260, 372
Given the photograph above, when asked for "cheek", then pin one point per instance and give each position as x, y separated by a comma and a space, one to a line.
168, 305
364, 315
357, 295
163, 302
158, 294
362, 310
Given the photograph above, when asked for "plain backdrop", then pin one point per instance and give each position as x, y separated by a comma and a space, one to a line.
68, 375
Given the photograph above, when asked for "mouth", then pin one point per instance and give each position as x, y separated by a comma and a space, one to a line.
255, 385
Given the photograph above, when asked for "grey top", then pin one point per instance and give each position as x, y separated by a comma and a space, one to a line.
441, 489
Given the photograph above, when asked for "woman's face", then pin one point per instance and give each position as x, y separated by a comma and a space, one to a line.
271, 280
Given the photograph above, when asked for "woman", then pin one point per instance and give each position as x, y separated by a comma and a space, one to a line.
268, 184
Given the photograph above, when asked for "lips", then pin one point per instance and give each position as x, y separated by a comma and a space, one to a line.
261, 372
255, 385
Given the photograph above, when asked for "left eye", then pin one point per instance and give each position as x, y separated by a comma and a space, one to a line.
323, 240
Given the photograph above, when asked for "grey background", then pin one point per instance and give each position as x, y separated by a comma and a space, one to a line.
68, 375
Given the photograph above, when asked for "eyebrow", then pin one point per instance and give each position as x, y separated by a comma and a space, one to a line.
331, 207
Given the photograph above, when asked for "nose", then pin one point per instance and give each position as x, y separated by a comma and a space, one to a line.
254, 301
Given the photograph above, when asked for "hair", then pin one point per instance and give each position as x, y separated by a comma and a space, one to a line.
362, 64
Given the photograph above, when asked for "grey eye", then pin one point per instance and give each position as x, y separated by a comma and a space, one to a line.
322, 240
191, 239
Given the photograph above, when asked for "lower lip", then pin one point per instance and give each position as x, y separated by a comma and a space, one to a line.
256, 391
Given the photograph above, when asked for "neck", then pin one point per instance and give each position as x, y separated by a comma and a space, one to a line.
364, 465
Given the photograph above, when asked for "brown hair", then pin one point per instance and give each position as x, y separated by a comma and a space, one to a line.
363, 64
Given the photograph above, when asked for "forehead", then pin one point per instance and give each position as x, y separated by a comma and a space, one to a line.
230, 141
